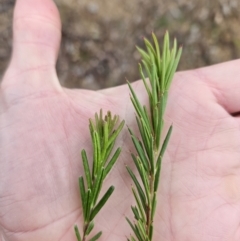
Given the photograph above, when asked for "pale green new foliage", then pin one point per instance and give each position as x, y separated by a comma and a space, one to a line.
160, 67
104, 132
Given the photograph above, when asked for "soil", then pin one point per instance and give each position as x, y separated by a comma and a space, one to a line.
99, 37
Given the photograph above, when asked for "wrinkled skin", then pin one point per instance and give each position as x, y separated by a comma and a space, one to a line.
43, 127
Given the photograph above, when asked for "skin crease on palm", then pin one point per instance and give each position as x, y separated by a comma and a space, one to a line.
43, 127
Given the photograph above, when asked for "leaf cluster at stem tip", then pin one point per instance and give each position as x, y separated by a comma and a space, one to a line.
160, 67
103, 135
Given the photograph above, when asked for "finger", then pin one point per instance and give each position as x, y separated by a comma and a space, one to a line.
36, 40
224, 82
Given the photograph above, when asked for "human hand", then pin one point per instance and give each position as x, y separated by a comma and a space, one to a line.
43, 127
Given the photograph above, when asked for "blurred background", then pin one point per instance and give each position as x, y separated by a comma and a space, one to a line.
99, 36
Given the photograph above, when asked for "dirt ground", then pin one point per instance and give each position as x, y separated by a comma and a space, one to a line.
99, 37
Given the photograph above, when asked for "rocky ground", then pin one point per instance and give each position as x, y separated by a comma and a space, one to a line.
99, 36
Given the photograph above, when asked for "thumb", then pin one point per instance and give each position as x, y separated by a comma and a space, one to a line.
37, 31
36, 41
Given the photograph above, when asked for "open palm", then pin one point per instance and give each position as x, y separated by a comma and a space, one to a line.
43, 128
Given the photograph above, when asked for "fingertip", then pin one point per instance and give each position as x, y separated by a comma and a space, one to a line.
47, 8
36, 30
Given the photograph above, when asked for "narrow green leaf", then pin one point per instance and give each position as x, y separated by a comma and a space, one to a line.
166, 47
134, 229
145, 181
147, 120
111, 123
154, 85
160, 122
106, 134
135, 100
147, 69
86, 169
95, 153
164, 60
135, 212
102, 202
100, 131
91, 125
140, 152
116, 132
132, 239
142, 230
154, 204
155, 116
96, 237
97, 145
88, 204
144, 54
150, 47
140, 205
108, 152
138, 111
140, 125
174, 68
83, 195
145, 82
164, 101
145, 124
140, 168
151, 155
171, 62
151, 232
90, 228
97, 187
157, 174
114, 121
77, 233
153, 69
97, 122
112, 162
165, 142
138, 186
146, 129
144, 134
158, 54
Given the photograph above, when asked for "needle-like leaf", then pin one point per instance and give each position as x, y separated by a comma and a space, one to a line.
139, 205
140, 152
144, 54
112, 162
83, 195
165, 142
97, 187
116, 132
77, 233
138, 186
96, 237
86, 169
102, 202
90, 228
145, 82
135, 230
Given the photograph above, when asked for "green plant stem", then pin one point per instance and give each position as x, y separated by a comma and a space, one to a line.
160, 68
104, 132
